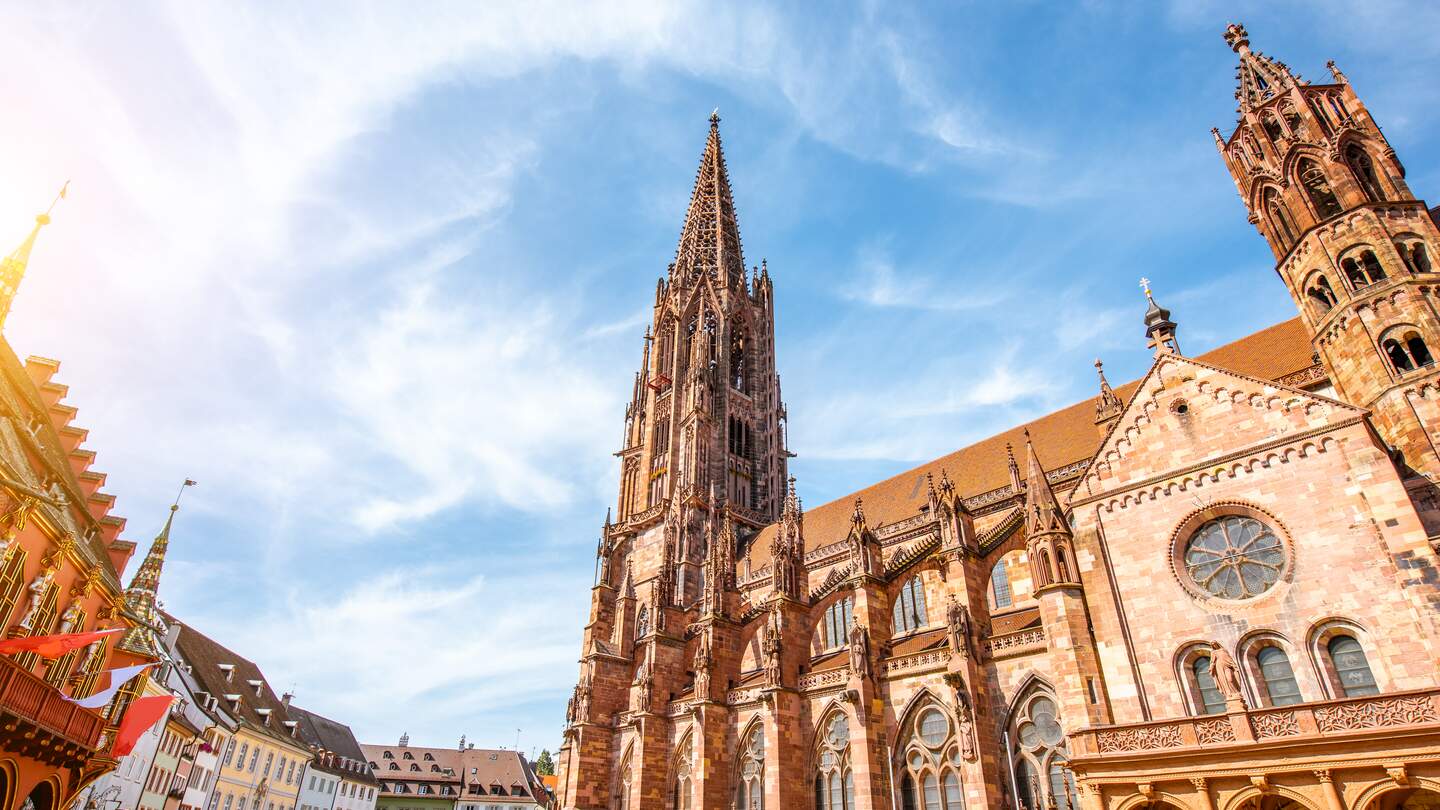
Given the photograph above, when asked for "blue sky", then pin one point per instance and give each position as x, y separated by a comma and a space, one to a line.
377, 280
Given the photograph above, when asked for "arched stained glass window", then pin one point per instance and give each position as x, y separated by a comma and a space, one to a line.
1278, 677
834, 629
910, 606
1352, 668
750, 795
1038, 749
1000, 586
834, 781
1212, 701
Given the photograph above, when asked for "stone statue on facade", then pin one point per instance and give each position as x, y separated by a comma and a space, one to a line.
859, 650
957, 619
702, 664
1226, 673
38, 589
770, 647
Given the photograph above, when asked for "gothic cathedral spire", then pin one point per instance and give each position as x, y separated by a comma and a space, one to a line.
1354, 246
705, 421
142, 597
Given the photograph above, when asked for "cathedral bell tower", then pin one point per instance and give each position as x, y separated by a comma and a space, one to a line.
705, 420
1354, 246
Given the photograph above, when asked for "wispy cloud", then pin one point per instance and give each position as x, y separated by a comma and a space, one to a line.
879, 283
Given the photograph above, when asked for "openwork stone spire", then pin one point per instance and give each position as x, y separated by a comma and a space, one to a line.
710, 239
1259, 78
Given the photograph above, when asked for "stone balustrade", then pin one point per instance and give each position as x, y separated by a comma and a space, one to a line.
1322, 719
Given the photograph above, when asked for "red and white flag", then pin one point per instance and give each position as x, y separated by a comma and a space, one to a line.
143, 713
53, 646
118, 678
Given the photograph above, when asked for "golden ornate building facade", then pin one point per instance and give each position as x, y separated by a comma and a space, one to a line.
1213, 588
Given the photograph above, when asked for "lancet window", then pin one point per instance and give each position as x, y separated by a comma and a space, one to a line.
834, 629
910, 606
684, 784
1000, 596
750, 793
1364, 170
1282, 228
1318, 189
929, 762
834, 780
1039, 753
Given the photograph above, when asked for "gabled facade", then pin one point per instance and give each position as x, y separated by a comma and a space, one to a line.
1214, 588
338, 776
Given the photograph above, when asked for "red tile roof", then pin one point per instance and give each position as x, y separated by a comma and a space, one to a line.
1064, 437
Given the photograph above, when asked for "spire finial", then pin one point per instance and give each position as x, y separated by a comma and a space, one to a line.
1145, 285
1335, 73
12, 268
715, 117
1237, 38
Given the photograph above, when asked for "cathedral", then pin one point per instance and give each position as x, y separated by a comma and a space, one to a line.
1212, 588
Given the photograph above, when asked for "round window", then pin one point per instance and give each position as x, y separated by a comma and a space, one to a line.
1234, 557
933, 728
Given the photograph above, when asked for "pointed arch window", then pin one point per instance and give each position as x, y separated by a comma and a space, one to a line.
834, 780
1040, 755
834, 629
1272, 125
623, 784
910, 606
929, 761
1282, 228
684, 784
739, 356
642, 622
750, 794
1364, 170
1292, 121
1000, 595
1276, 674
1318, 188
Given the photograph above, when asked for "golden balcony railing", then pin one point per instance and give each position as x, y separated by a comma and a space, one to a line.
30, 698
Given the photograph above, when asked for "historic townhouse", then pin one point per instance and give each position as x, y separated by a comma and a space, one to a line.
460, 778
1212, 588
337, 777
264, 756
61, 559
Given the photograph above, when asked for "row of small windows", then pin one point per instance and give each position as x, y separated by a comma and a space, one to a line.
1343, 659
395, 766
407, 755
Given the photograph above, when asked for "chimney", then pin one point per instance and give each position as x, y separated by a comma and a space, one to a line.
285, 699
405, 740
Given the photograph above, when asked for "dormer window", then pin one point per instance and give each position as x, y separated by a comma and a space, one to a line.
264, 716
256, 685
387, 755
414, 766
408, 755
429, 757
234, 701
228, 669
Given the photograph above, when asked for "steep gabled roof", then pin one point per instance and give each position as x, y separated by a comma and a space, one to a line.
321, 732
1063, 438
206, 657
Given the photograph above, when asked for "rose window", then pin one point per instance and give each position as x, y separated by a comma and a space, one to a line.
1234, 557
